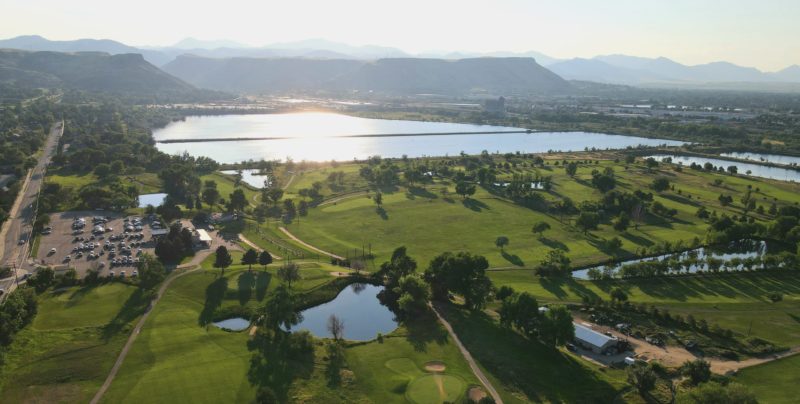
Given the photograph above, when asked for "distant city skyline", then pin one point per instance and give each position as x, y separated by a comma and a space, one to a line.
757, 34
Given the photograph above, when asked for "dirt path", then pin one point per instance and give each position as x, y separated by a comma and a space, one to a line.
675, 356
253, 245
286, 186
343, 197
309, 246
135, 333
474, 366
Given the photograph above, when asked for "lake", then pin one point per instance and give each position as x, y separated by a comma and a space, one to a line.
756, 170
154, 200
233, 324
316, 136
251, 177
741, 249
769, 158
360, 310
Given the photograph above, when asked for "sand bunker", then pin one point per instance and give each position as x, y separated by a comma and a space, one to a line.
435, 366
475, 394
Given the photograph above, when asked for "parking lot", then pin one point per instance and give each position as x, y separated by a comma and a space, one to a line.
105, 241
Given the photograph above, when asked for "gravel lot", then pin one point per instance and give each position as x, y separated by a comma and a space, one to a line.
63, 240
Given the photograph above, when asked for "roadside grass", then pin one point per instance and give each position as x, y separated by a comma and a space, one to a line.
66, 354
773, 382
527, 371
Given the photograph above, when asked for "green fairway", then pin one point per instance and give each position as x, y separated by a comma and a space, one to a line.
739, 301
773, 382
428, 221
435, 389
66, 354
525, 370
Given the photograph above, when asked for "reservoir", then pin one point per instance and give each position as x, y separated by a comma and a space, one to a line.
316, 136
756, 170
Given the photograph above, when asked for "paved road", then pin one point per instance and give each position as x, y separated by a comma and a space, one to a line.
22, 213
472, 364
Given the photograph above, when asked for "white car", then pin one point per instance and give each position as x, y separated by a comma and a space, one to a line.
52, 251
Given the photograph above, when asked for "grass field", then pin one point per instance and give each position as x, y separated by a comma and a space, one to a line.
527, 371
738, 301
428, 222
66, 354
175, 357
773, 382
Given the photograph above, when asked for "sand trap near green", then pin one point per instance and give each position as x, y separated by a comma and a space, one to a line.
435, 389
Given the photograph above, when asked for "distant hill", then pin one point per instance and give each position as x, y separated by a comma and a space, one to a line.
89, 71
38, 43
397, 75
632, 70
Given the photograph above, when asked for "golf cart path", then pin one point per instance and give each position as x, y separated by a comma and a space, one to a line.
136, 330
253, 245
472, 364
309, 246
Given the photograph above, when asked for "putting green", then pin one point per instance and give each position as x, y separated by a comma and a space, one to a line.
436, 389
403, 366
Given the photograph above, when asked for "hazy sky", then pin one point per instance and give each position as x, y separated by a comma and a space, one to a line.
763, 34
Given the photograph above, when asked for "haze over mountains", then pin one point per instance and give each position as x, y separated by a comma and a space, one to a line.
232, 66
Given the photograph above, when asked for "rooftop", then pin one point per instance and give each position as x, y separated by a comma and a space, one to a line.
592, 337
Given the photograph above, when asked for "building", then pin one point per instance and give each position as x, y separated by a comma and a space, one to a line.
203, 237
158, 233
495, 107
593, 340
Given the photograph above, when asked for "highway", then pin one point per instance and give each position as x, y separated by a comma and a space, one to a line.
19, 224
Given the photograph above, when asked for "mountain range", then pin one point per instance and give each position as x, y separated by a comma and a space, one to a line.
389, 75
612, 69
90, 71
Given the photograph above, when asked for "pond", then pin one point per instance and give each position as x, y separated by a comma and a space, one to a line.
741, 249
756, 170
233, 324
769, 158
151, 199
315, 136
251, 177
360, 310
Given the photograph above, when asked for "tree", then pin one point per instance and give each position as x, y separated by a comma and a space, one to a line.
698, 371
556, 327
622, 222
651, 163
222, 258
102, 170
642, 377
660, 184
465, 189
556, 262
237, 199
266, 395
378, 198
302, 208
461, 273
280, 310
335, 327
588, 221
501, 242
540, 227
264, 259
414, 295
397, 267
289, 273
714, 393
521, 310
618, 295
571, 169
249, 258
151, 271
210, 196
